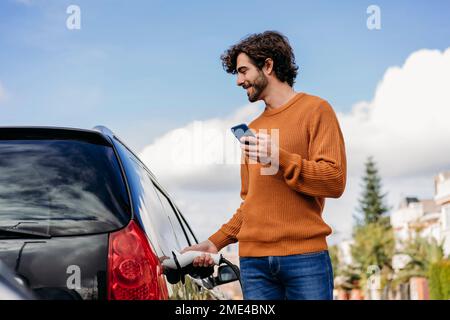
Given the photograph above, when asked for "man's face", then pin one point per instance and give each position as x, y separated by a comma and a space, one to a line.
250, 77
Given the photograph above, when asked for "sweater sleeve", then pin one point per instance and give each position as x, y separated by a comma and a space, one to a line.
228, 232
323, 174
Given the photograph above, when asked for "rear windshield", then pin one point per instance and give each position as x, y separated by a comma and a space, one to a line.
61, 187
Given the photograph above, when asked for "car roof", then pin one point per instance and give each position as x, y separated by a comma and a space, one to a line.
98, 134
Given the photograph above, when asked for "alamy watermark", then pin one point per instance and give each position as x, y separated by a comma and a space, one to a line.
374, 280
73, 21
204, 145
374, 20
73, 282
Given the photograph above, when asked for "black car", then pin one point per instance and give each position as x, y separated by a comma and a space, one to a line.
81, 217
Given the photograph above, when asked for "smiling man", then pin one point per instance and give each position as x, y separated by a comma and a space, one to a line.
282, 236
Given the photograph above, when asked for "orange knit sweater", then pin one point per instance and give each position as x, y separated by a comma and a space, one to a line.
281, 214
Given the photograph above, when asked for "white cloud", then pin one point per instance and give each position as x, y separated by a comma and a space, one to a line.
203, 180
405, 127
203, 155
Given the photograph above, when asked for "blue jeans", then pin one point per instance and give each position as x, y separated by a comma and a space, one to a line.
295, 277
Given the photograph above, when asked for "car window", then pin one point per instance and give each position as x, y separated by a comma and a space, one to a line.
152, 207
174, 220
61, 187
188, 229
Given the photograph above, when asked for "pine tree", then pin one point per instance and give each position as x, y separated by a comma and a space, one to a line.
371, 204
373, 235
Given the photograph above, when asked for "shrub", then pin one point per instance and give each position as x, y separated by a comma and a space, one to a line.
439, 280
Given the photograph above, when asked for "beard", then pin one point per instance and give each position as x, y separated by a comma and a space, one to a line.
258, 86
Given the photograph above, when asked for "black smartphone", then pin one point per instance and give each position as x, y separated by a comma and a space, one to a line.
241, 130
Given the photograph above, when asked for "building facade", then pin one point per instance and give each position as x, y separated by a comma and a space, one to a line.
442, 198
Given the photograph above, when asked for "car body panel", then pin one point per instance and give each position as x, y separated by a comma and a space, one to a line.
60, 267
75, 267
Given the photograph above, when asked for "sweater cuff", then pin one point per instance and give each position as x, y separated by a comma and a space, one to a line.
287, 159
220, 239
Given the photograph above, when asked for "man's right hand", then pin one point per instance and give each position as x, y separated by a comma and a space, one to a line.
204, 260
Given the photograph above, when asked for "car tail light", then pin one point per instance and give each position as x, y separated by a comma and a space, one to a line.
134, 271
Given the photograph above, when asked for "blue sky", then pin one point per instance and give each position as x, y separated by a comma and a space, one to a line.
144, 67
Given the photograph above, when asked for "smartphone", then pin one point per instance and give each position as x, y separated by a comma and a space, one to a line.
241, 130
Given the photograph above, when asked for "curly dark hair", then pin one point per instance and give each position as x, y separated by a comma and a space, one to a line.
259, 47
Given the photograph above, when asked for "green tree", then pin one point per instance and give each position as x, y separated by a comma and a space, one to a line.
422, 253
439, 277
334, 256
374, 245
371, 203
347, 276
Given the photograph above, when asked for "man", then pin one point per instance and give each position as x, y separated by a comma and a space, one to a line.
282, 246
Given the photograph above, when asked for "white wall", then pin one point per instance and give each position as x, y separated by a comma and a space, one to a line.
445, 223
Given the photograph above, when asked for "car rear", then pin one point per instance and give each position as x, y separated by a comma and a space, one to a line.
66, 222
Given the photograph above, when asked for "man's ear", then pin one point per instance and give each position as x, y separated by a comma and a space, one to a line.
268, 66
